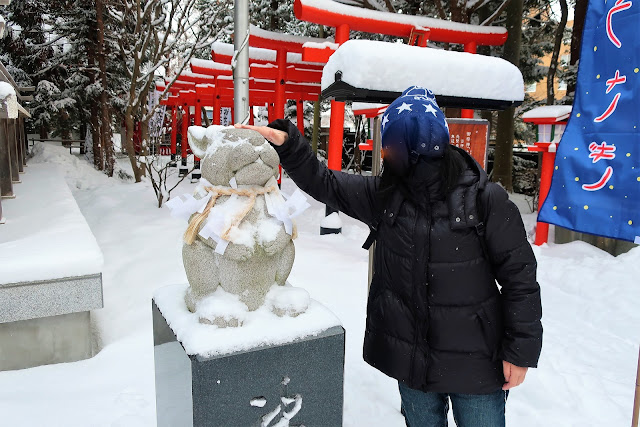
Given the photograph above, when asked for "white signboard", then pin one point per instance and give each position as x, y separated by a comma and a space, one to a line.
225, 116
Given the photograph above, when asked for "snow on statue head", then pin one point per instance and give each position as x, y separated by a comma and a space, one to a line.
238, 249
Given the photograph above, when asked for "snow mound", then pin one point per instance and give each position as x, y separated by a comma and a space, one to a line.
332, 221
558, 112
447, 73
6, 90
222, 304
209, 64
260, 328
46, 237
287, 301
77, 171
284, 37
206, 140
8, 100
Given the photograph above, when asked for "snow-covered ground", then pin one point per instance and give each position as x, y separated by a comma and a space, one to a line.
586, 375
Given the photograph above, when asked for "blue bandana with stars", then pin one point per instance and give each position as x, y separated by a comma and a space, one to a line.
596, 180
414, 126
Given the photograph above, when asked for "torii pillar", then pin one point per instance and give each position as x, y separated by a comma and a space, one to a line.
470, 47
183, 170
174, 134
197, 121
336, 132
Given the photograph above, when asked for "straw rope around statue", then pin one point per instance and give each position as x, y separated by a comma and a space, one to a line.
252, 193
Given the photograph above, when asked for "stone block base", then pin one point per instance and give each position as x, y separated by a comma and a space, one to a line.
301, 381
45, 340
613, 246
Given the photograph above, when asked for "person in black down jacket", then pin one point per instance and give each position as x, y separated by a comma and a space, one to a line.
436, 320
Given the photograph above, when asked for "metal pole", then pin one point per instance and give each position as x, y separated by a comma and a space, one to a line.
241, 69
375, 171
636, 400
377, 147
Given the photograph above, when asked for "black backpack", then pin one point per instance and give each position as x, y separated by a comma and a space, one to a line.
480, 228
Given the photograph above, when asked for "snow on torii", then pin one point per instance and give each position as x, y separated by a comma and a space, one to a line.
334, 14
458, 79
223, 52
345, 18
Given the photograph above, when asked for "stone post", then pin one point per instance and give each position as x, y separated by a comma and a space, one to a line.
17, 146
6, 186
22, 140
13, 147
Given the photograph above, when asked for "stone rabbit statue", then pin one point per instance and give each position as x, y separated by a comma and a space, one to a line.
235, 248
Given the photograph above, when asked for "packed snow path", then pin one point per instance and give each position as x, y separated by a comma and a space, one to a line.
590, 304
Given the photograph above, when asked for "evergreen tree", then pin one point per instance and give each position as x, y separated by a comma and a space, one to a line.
27, 49
74, 26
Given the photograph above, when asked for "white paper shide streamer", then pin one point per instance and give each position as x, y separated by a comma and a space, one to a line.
280, 206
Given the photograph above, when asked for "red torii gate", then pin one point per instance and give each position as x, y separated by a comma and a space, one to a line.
284, 44
210, 83
301, 84
278, 62
281, 64
345, 18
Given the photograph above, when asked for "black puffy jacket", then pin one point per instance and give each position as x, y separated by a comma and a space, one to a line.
436, 320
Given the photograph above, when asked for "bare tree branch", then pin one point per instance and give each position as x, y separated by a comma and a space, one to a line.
497, 13
440, 8
553, 65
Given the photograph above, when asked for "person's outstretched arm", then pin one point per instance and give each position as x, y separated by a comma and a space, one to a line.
352, 194
514, 265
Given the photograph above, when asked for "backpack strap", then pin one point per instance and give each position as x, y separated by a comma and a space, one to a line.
387, 213
373, 234
481, 227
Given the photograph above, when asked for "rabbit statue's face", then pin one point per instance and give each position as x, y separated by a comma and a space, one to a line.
228, 153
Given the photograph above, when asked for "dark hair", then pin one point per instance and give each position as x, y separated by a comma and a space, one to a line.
452, 165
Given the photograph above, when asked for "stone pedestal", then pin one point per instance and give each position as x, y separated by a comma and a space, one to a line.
45, 340
45, 322
613, 246
300, 381
47, 289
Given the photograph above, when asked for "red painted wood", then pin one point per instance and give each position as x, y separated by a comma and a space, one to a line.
378, 26
174, 129
313, 54
546, 173
279, 84
336, 130
185, 130
300, 116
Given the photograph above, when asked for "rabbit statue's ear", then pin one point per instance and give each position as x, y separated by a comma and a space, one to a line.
198, 140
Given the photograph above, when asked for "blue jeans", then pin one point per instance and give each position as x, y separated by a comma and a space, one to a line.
422, 409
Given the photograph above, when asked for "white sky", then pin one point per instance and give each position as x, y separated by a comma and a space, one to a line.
555, 6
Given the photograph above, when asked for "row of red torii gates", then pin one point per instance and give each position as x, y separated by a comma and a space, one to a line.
285, 67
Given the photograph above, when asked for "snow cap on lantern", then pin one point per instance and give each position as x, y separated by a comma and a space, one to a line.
414, 126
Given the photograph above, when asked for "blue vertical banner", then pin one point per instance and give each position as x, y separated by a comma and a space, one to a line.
596, 183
